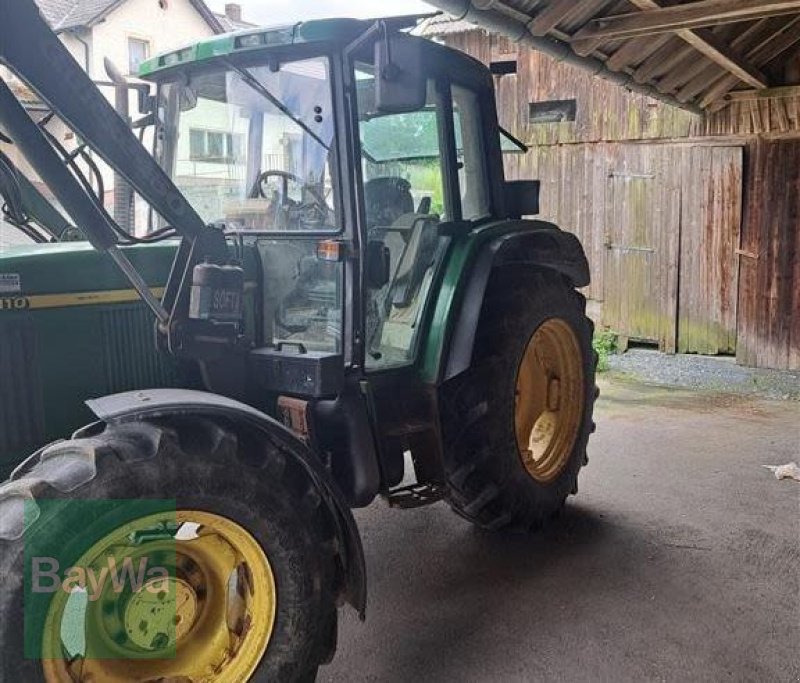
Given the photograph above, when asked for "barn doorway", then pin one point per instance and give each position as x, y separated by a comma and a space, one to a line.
672, 233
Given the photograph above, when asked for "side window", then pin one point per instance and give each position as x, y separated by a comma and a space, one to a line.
472, 178
404, 203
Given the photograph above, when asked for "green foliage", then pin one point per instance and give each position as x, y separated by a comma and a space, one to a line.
604, 343
426, 178
401, 136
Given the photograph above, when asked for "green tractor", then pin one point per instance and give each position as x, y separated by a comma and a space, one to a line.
348, 304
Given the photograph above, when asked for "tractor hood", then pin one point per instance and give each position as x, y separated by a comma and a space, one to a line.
34, 274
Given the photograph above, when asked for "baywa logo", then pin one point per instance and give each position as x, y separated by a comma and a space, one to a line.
101, 580
93, 581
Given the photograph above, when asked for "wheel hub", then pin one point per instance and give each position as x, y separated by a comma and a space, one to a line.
161, 614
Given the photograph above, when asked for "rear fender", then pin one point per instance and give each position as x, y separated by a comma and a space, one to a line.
153, 403
536, 244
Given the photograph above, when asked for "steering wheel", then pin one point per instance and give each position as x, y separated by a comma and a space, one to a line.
309, 212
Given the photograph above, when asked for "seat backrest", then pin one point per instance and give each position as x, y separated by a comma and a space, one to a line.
386, 199
417, 257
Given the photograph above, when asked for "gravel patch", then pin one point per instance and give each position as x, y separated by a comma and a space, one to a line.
707, 373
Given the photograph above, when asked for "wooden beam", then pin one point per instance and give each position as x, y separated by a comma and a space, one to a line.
679, 17
682, 71
744, 43
699, 81
704, 41
708, 44
718, 52
766, 93
551, 16
635, 51
764, 53
661, 61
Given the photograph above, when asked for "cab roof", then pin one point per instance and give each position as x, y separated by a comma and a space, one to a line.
319, 30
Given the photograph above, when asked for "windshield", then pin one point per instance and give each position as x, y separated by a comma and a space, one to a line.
253, 146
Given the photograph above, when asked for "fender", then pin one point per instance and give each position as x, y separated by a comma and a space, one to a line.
150, 403
534, 243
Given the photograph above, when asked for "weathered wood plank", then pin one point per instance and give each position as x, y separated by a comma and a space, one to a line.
710, 223
768, 331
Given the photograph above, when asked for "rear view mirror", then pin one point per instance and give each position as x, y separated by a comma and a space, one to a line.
188, 98
522, 198
400, 85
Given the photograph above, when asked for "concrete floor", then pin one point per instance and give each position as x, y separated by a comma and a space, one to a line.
678, 560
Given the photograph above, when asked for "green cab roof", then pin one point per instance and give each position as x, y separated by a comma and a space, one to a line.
321, 30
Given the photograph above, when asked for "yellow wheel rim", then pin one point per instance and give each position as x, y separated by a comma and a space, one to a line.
209, 617
549, 400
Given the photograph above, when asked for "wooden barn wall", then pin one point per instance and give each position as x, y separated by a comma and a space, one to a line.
769, 290
722, 195
710, 233
776, 116
604, 110
645, 215
574, 193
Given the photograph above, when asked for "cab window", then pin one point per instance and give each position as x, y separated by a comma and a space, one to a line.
404, 202
471, 154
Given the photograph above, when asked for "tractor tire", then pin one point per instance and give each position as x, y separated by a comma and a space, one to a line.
492, 478
212, 469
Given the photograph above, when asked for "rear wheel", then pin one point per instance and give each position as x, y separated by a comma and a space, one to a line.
239, 544
516, 424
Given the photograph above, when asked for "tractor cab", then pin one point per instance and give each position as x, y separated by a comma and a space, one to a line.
345, 184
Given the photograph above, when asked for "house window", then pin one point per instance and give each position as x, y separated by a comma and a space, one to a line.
552, 111
138, 51
214, 146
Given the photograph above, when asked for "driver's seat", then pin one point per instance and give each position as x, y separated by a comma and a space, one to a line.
386, 199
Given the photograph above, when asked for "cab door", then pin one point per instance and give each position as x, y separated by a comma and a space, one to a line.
412, 173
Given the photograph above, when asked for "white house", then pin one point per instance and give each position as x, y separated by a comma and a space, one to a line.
127, 32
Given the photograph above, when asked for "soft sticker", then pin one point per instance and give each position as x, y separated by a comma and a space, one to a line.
10, 283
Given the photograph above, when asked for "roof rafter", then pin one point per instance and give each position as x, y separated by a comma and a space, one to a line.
553, 14
691, 15
745, 43
764, 53
702, 40
661, 61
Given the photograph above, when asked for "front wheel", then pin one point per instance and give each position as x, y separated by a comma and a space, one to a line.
517, 423
182, 550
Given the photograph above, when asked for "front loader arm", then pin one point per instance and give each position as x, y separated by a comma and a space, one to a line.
41, 210
94, 222
30, 48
